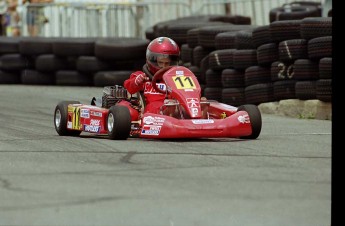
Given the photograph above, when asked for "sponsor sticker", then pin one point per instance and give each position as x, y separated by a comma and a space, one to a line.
150, 120
161, 86
85, 113
202, 121
194, 111
91, 128
149, 88
95, 122
192, 102
151, 130
97, 114
243, 118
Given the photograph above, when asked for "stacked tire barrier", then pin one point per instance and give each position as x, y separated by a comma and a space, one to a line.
235, 62
240, 63
70, 61
85, 61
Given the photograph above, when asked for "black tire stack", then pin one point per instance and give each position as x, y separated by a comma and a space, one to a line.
70, 61
291, 58
235, 62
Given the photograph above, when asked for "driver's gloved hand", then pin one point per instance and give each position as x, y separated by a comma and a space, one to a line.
140, 79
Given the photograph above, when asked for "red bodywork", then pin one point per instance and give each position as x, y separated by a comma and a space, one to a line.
202, 119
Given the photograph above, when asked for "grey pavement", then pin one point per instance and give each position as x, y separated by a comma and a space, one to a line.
282, 178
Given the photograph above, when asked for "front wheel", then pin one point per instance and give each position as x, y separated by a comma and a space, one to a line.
60, 119
255, 119
119, 122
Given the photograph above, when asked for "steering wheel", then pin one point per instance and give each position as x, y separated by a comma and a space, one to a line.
158, 76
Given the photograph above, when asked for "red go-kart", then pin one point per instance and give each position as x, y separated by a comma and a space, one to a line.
184, 114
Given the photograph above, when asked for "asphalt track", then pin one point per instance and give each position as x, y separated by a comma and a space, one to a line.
282, 178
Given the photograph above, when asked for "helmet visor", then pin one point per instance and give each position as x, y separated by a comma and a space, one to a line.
160, 60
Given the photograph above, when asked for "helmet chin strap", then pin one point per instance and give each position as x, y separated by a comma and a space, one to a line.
147, 72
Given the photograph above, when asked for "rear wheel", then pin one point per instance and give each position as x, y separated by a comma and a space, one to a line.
255, 119
60, 119
119, 122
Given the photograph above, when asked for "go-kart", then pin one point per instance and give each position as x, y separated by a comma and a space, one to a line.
184, 113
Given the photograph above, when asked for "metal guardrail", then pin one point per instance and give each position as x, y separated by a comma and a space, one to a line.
101, 19
131, 19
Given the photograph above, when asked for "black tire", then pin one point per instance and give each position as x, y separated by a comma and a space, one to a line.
60, 119
7, 77
119, 123
9, 44
255, 119
110, 78
294, 12
36, 46
29, 76
72, 78
52, 63
74, 46
121, 48
15, 62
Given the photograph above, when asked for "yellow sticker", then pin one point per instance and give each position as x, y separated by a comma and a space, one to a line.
76, 118
223, 115
184, 82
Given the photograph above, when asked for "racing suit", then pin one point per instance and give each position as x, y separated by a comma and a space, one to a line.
154, 99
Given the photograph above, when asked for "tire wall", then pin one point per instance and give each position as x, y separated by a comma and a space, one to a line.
70, 61
235, 63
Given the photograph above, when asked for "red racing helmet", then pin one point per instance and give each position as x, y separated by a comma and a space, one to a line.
161, 47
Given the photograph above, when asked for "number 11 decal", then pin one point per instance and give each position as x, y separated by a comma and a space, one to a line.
184, 82
76, 118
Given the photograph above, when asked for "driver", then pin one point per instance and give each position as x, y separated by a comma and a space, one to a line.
161, 52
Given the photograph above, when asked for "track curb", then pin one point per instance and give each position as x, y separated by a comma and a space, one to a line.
304, 109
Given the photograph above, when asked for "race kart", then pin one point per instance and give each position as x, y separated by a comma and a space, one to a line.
184, 114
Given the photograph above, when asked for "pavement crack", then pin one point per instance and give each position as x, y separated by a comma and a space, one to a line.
78, 202
5, 184
127, 157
